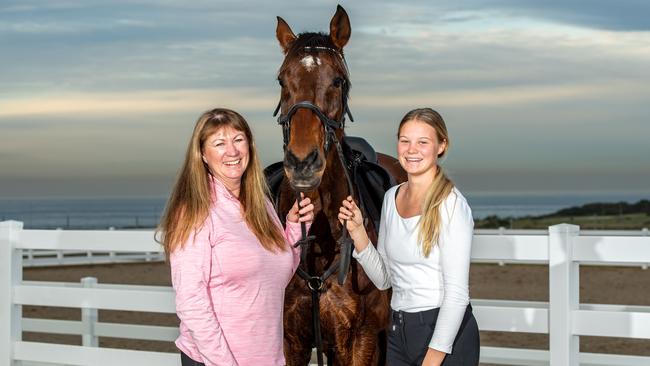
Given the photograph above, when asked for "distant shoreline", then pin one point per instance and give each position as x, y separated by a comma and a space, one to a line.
597, 216
508, 210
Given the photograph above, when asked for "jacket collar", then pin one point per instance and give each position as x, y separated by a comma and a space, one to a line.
219, 189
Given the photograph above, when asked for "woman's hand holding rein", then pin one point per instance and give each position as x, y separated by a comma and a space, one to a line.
351, 215
304, 214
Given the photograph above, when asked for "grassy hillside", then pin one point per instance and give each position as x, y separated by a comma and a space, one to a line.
593, 216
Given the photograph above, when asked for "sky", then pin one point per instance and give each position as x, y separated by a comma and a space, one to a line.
98, 99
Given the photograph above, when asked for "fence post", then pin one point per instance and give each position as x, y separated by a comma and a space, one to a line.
59, 253
89, 318
564, 294
11, 274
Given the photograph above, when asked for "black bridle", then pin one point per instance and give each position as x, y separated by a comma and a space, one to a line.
330, 125
316, 284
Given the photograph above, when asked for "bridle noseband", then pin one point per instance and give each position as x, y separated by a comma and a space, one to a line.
330, 125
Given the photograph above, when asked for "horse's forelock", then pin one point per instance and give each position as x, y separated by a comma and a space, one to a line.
310, 39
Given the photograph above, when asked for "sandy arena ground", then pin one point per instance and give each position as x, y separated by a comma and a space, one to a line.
605, 285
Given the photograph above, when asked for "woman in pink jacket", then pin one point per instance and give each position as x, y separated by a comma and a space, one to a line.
230, 257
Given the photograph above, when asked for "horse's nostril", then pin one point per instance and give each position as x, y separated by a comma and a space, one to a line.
290, 160
310, 164
311, 158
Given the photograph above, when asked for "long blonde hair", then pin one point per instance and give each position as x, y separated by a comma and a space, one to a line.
441, 186
190, 200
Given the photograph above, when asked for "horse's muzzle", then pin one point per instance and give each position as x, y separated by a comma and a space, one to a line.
304, 174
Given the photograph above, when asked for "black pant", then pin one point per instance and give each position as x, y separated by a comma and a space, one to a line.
409, 335
187, 361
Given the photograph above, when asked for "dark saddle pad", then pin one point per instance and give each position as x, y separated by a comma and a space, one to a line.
360, 145
370, 179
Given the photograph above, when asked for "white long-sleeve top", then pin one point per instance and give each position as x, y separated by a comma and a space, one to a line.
422, 283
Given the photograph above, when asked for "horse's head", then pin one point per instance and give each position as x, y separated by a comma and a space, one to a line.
313, 102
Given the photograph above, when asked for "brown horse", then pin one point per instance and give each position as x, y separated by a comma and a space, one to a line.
315, 84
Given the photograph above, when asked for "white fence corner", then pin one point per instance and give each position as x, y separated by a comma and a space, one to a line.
11, 274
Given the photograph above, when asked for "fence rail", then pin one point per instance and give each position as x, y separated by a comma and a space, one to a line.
563, 317
51, 258
41, 258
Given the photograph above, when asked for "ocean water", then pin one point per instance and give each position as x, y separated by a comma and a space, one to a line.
102, 213
83, 213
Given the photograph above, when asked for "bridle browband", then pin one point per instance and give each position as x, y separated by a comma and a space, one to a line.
316, 284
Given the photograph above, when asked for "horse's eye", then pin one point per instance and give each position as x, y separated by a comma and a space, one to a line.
281, 82
338, 82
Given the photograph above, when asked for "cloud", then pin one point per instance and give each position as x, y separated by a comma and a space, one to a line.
147, 102
138, 102
626, 15
506, 96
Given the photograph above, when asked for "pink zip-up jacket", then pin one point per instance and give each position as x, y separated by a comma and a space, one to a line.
230, 290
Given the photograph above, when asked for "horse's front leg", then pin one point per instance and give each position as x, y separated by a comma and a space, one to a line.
356, 348
360, 344
296, 353
366, 347
297, 345
297, 324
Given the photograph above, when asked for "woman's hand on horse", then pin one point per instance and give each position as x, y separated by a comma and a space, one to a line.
304, 214
350, 214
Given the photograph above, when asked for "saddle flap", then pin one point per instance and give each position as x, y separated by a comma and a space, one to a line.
274, 174
372, 182
361, 145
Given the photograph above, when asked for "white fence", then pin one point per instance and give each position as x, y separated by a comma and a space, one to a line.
47, 258
564, 318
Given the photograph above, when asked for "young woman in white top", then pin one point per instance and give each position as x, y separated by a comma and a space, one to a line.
423, 252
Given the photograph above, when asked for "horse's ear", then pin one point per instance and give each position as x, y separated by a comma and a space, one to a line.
340, 28
284, 34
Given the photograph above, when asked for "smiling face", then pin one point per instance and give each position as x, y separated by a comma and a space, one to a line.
418, 147
227, 152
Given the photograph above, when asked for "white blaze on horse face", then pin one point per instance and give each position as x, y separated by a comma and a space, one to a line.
309, 62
